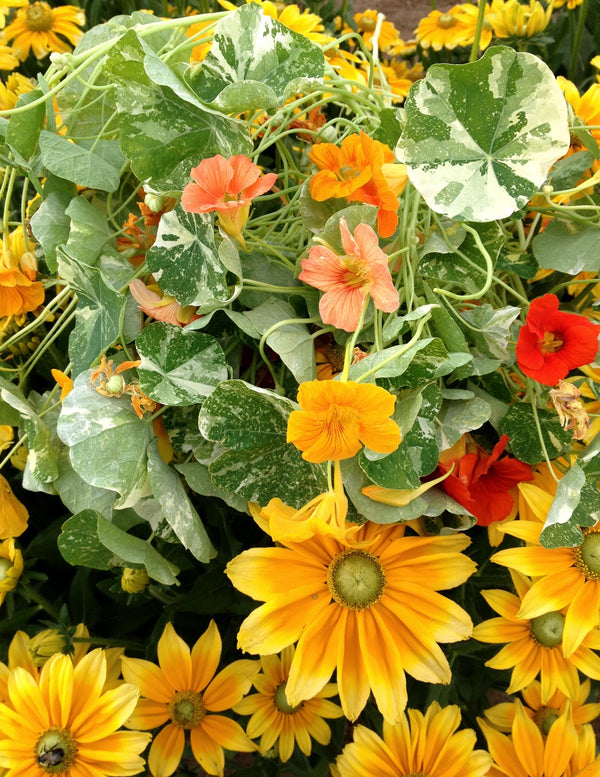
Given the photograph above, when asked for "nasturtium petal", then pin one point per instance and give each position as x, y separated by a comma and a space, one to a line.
480, 138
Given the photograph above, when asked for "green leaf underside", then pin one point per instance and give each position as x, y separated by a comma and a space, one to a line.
480, 138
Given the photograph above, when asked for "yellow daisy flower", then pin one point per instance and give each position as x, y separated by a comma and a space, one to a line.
529, 754
568, 578
303, 22
467, 16
441, 30
11, 567
571, 4
37, 28
535, 645
276, 721
15, 85
183, 692
65, 725
513, 19
427, 745
585, 106
366, 24
544, 714
369, 608
5, 9
8, 61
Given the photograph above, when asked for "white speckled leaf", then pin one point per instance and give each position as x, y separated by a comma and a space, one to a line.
480, 138
252, 424
177, 508
185, 261
108, 441
179, 367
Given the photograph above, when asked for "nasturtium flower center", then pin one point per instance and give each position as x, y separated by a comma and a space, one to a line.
356, 579
55, 750
551, 343
5, 565
587, 556
347, 172
446, 20
547, 629
39, 17
357, 273
281, 701
186, 709
545, 717
115, 384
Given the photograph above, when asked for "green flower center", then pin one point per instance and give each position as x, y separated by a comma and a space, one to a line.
281, 701
547, 629
39, 17
446, 20
55, 750
356, 579
545, 717
186, 709
587, 555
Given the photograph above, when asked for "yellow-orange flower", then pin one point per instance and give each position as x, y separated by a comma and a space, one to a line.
13, 514
418, 744
366, 24
513, 19
338, 418
184, 693
8, 61
279, 723
441, 30
369, 608
467, 13
11, 567
42, 29
15, 85
64, 381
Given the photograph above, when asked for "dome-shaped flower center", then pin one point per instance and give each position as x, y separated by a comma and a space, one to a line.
281, 701
545, 717
5, 565
55, 750
551, 343
357, 274
547, 629
187, 709
587, 555
39, 17
446, 20
356, 579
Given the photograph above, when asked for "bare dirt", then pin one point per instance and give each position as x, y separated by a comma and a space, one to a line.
405, 14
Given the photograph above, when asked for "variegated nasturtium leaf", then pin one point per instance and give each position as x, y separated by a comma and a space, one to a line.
179, 367
256, 62
185, 261
480, 138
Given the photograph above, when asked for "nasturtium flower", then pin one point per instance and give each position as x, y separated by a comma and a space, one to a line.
564, 578
337, 418
534, 646
552, 343
65, 724
161, 307
347, 280
419, 744
184, 693
441, 30
369, 607
64, 382
42, 29
226, 186
17, 293
481, 482
13, 514
11, 566
277, 722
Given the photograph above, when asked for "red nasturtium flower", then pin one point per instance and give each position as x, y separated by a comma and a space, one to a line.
552, 343
349, 279
480, 481
226, 186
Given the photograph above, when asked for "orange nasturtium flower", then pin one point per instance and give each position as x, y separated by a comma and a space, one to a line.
184, 693
349, 279
226, 186
338, 418
354, 171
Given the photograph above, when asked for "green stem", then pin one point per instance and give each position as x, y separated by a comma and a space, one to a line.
39, 599
398, 353
350, 345
577, 42
478, 31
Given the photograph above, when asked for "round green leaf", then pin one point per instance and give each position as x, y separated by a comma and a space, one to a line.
480, 138
179, 367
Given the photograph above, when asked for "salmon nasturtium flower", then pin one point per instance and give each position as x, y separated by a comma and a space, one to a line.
161, 307
66, 724
369, 608
349, 279
419, 744
338, 418
279, 723
226, 186
354, 171
552, 343
184, 693
13, 514
483, 483
42, 29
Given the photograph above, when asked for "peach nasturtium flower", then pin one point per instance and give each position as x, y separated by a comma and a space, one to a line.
226, 186
349, 279
338, 418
